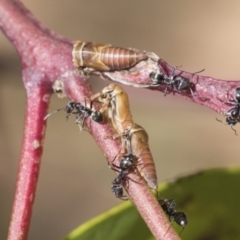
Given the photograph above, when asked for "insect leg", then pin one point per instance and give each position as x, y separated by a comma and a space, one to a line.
235, 131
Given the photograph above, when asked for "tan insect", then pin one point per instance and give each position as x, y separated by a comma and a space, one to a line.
134, 137
104, 57
136, 141
116, 104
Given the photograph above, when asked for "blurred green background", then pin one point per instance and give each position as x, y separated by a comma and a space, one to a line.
74, 183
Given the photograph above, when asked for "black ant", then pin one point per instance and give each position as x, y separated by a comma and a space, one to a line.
177, 82
168, 207
126, 166
81, 112
233, 114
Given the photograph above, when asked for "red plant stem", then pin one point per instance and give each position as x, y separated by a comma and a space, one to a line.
46, 57
210, 92
29, 165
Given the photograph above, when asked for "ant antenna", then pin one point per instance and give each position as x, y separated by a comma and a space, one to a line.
47, 116
235, 131
157, 193
181, 230
170, 224
220, 121
178, 66
199, 71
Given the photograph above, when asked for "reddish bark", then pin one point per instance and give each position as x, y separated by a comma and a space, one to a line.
46, 57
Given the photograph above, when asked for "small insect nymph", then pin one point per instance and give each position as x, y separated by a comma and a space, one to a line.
168, 207
136, 140
103, 57
233, 114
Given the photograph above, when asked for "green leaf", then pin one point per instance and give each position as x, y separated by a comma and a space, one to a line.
120, 222
211, 200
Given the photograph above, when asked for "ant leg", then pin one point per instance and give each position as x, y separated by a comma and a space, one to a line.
85, 102
230, 97
165, 91
88, 103
192, 93
114, 136
124, 198
114, 168
170, 224
128, 178
83, 121
161, 69
235, 131
78, 118
68, 115
181, 231
173, 71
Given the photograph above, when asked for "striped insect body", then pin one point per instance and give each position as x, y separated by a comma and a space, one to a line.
133, 137
104, 57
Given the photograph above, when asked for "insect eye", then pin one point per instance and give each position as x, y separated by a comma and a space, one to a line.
234, 113
97, 116
104, 95
181, 219
69, 107
156, 77
237, 94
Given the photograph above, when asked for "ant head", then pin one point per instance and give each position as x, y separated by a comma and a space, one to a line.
126, 161
156, 78
97, 116
117, 190
69, 109
237, 94
231, 121
70, 106
181, 219
234, 113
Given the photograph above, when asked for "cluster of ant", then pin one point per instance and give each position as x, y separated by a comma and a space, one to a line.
180, 83
98, 58
134, 154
